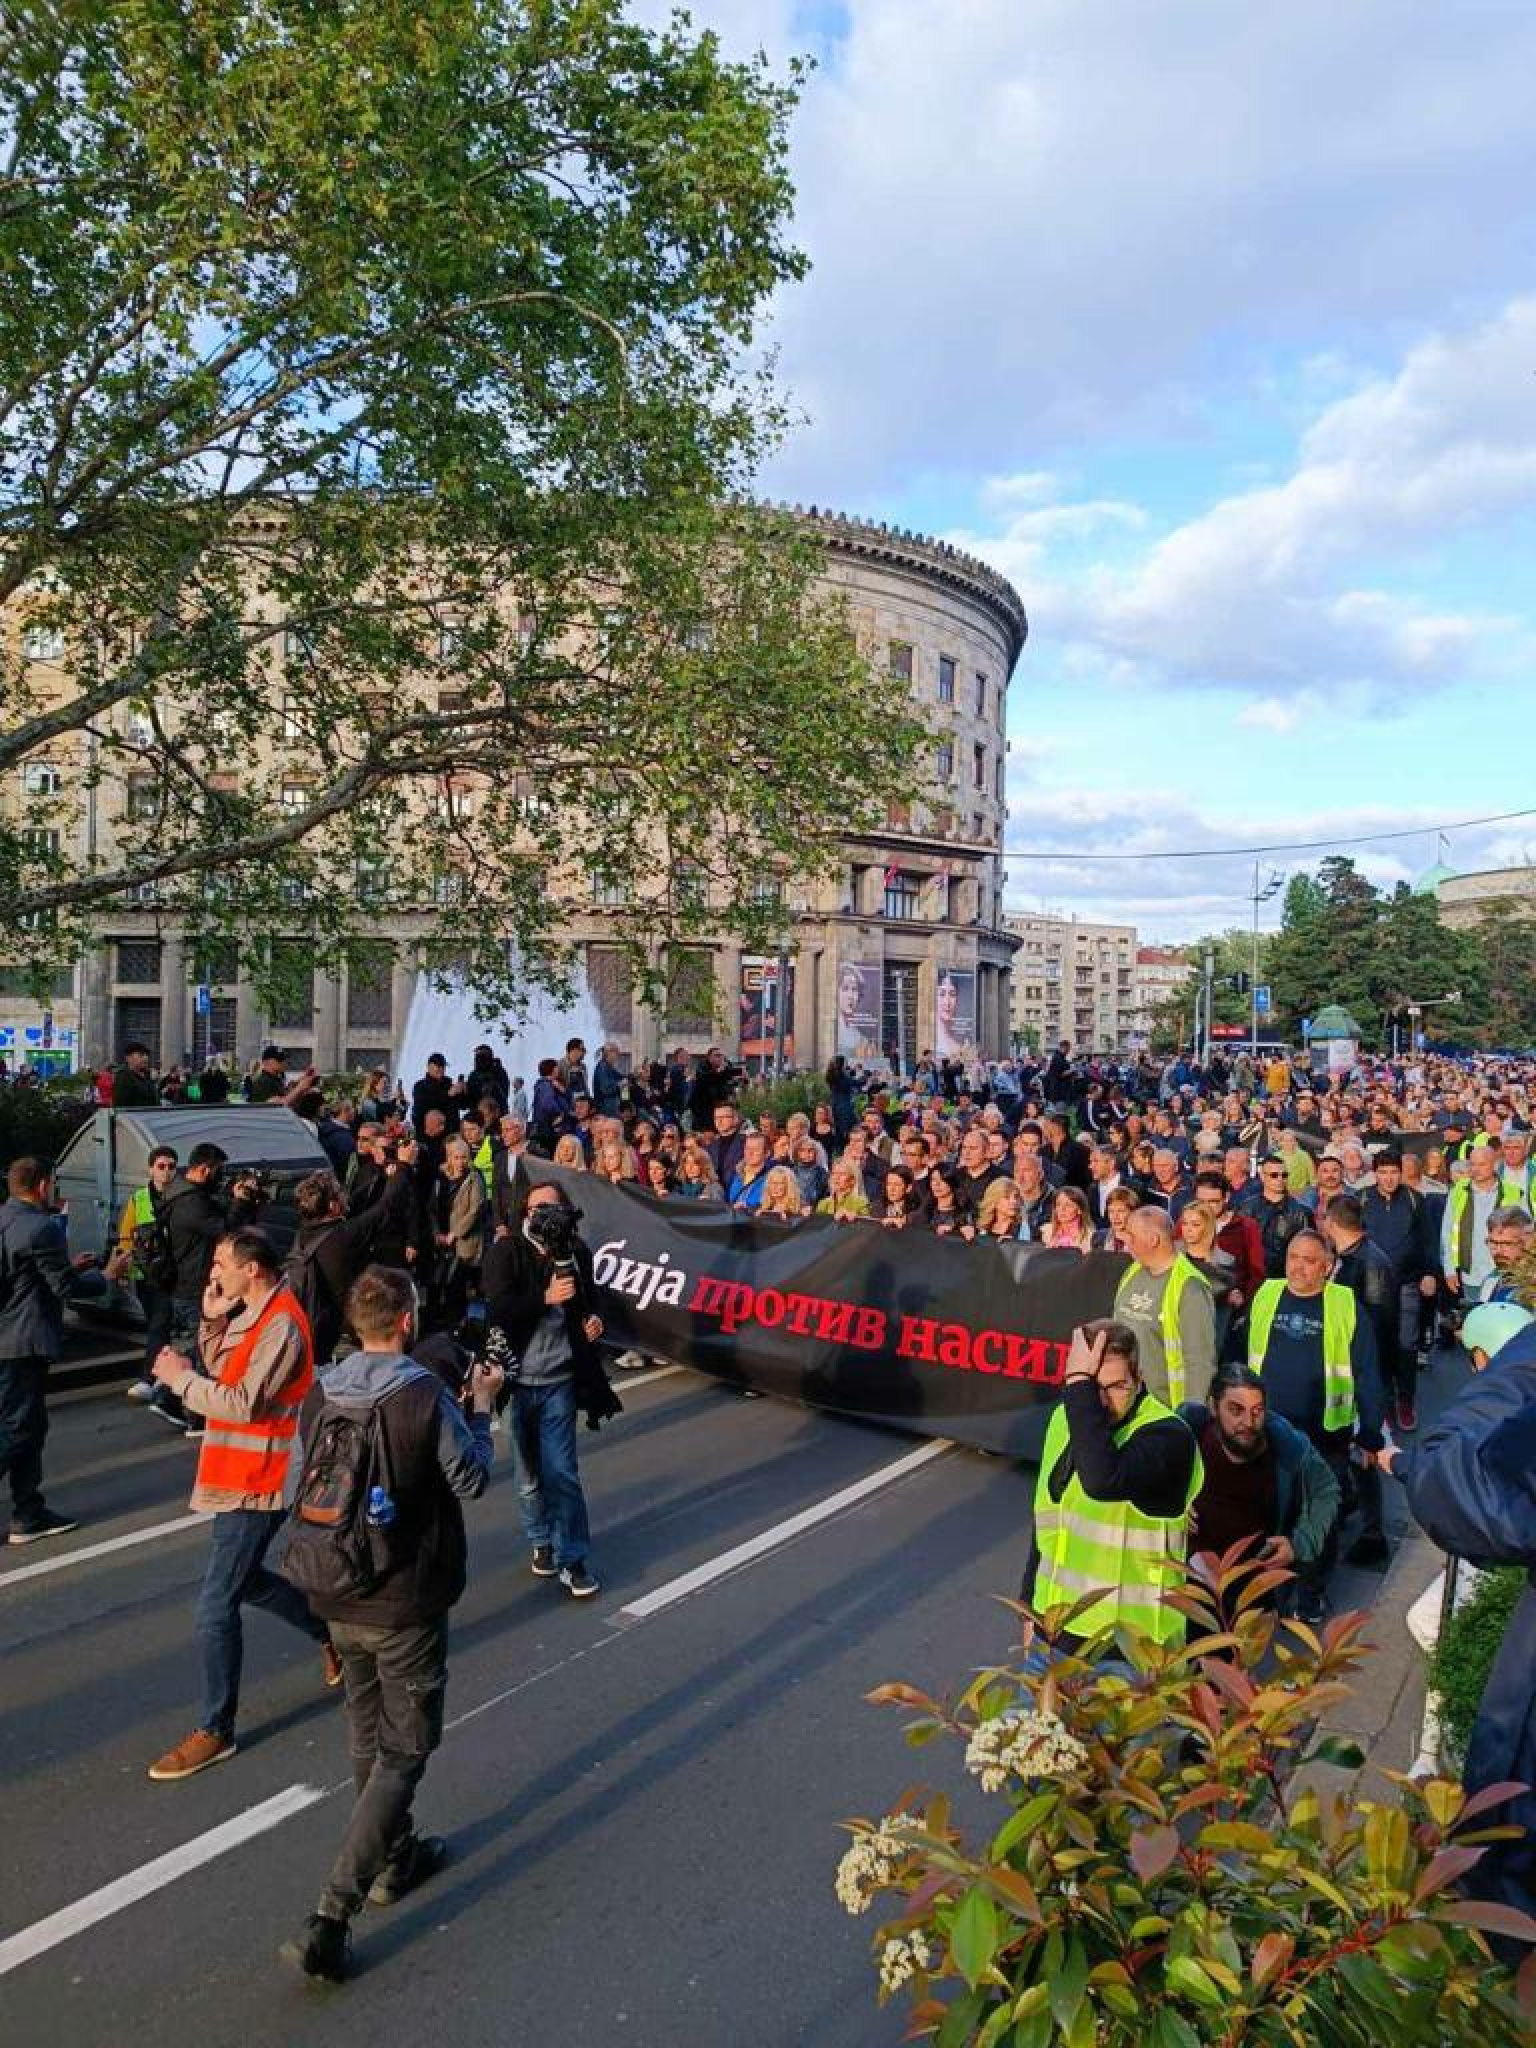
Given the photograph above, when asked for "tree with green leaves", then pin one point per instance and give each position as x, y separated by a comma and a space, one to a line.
375, 449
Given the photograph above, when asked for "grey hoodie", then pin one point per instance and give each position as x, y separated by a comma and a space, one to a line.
465, 1452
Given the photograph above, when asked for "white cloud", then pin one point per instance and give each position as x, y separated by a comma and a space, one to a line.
1270, 714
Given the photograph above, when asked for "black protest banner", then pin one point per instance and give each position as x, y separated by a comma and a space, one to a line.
926, 1333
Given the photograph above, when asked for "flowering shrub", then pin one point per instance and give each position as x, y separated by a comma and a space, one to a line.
1160, 1876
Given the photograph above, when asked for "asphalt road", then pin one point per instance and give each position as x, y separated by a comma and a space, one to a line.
642, 1790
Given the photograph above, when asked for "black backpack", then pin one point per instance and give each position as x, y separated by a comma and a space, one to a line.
334, 1553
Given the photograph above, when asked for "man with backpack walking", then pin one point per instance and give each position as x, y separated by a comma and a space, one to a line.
376, 1540
257, 1365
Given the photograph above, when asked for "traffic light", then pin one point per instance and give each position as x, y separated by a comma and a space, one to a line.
1239, 983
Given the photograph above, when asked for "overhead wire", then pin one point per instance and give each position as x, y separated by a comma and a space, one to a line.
1063, 853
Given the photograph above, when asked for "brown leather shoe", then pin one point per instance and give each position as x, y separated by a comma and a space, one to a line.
330, 1666
196, 1753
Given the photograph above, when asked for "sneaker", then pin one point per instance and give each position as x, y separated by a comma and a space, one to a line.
1369, 1552
1407, 1414
544, 1566
194, 1754
1311, 1607
47, 1524
323, 1951
330, 1666
578, 1582
168, 1416
142, 1390
424, 1857
194, 1428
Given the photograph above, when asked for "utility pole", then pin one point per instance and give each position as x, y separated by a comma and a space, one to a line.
1260, 895
1204, 1049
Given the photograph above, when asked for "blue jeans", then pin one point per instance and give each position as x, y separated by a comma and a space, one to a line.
237, 1576
549, 1495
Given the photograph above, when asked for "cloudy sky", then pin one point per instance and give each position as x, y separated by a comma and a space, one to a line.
1214, 328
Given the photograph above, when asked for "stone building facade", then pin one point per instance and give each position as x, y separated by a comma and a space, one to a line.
916, 905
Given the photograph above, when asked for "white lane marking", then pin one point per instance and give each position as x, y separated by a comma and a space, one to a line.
96, 1906
782, 1532
49, 1565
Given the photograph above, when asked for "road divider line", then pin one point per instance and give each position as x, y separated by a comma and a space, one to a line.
626, 1380
96, 1906
45, 1567
755, 1547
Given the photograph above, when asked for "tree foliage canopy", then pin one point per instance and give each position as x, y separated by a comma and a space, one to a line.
373, 416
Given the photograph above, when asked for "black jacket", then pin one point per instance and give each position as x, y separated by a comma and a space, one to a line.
1278, 1223
195, 1220
1368, 1274
435, 1458
340, 1248
513, 1277
1400, 1229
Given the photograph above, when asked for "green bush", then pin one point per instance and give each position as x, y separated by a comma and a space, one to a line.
39, 1122
1160, 1872
1463, 1658
783, 1097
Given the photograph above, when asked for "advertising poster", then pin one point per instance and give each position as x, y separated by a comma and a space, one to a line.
859, 989
954, 1031
761, 1011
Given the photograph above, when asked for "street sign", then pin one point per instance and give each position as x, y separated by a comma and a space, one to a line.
203, 1001
1261, 1000
1306, 1027
7, 1037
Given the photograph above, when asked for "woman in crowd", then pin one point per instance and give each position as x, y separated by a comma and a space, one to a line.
948, 1206
809, 1169
660, 1178
845, 1198
696, 1174
900, 1200
824, 1131
568, 1152
1071, 1226
1001, 1212
610, 1164
781, 1197
1299, 1173
1118, 1210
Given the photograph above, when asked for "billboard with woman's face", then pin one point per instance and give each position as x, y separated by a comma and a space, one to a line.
859, 989
954, 1032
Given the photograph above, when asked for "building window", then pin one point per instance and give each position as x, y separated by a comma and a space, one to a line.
690, 885
999, 778
610, 978
690, 993
609, 892
944, 761
138, 1022
298, 644
372, 886
41, 778
898, 1012
979, 765
293, 797
219, 966
946, 679
898, 660
450, 641
981, 695
43, 643
768, 892
138, 962
214, 1032
447, 889
293, 717
901, 894
362, 1059
369, 981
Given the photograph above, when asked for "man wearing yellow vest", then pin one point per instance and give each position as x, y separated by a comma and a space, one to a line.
1465, 1259
136, 1233
1118, 1477
1165, 1301
257, 1361
1317, 1356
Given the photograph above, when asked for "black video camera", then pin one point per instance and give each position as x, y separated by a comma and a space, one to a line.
550, 1227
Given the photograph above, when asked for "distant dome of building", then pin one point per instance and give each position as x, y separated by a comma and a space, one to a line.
1429, 882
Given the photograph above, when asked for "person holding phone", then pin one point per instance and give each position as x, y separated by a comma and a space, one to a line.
392, 1638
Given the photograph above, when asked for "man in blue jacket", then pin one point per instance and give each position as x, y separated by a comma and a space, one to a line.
37, 1278
1471, 1482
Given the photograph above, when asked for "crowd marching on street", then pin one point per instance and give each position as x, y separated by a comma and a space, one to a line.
1295, 1245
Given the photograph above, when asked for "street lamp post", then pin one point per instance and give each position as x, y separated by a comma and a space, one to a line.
1261, 894
1416, 1010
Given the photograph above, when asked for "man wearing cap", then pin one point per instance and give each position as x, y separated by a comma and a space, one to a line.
271, 1079
1469, 1488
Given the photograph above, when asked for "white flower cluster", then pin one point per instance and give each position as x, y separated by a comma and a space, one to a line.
1028, 1744
871, 1862
900, 1958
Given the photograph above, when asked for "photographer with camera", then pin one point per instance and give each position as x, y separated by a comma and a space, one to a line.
376, 1541
332, 1248
542, 1327
195, 1215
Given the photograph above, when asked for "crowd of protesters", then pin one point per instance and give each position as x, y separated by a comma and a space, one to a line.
1294, 1244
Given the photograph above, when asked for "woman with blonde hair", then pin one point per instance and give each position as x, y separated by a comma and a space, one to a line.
1071, 1226
845, 1198
781, 1196
1001, 1211
696, 1174
568, 1152
610, 1164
